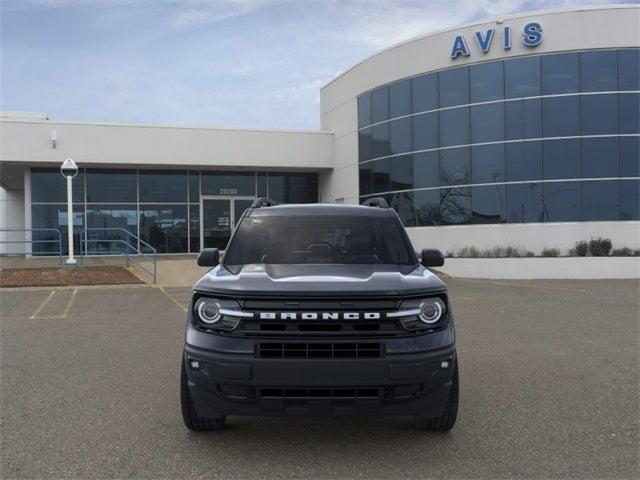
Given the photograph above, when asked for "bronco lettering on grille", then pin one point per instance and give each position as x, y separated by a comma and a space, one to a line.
319, 316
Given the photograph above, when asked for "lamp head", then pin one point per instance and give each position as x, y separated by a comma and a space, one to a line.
69, 169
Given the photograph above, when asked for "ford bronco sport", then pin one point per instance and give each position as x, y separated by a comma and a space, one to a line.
319, 310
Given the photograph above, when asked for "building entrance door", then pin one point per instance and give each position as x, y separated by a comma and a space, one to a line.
218, 218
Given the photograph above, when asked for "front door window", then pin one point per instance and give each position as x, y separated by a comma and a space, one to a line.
218, 219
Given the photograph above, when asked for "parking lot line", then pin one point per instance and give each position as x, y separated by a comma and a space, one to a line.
42, 305
170, 297
49, 315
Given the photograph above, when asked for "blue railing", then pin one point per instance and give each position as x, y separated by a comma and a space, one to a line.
130, 248
33, 241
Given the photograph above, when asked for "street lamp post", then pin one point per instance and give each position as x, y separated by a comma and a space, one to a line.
69, 169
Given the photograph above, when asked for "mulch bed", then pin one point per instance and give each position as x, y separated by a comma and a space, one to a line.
47, 277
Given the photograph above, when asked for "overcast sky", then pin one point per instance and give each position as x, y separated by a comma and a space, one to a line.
244, 63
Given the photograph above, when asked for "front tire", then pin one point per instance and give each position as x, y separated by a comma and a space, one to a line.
190, 416
448, 419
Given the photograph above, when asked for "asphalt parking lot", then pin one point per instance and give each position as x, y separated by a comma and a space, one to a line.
549, 389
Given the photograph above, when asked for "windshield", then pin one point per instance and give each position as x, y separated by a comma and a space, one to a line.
320, 239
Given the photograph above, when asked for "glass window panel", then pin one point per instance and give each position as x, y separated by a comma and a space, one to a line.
426, 169
453, 87
561, 116
523, 119
487, 123
629, 69
629, 113
599, 114
454, 127
365, 144
402, 203
487, 164
561, 159
400, 135
262, 184
194, 186
381, 170
455, 166
380, 141
523, 161
560, 73
524, 203
630, 199
427, 207
487, 81
600, 157
630, 156
293, 187
488, 204
562, 202
364, 110
228, 183
380, 105
163, 186
165, 227
400, 98
401, 172
522, 77
425, 131
366, 179
53, 216
194, 227
112, 186
49, 186
115, 218
599, 71
455, 205
424, 92
601, 200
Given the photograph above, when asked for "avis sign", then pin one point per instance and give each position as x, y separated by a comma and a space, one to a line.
531, 37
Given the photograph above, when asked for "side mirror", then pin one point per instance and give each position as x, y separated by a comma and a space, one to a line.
209, 257
432, 258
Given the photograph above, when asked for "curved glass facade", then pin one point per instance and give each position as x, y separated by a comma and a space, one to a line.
541, 138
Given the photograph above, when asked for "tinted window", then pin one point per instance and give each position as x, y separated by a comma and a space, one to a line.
262, 184
630, 200
401, 172
380, 105
364, 110
487, 123
165, 227
427, 207
630, 156
425, 131
400, 98
365, 144
293, 187
524, 203
54, 216
48, 185
194, 186
523, 161
455, 168
487, 81
400, 135
424, 92
163, 186
487, 164
629, 113
561, 159
599, 114
115, 218
560, 73
454, 127
488, 204
320, 239
598, 71
455, 205
522, 77
629, 69
402, 203
562, 202
454, 87
194, 227
523, 119
561, 116
426, 169
366, 185
228, 183
380, 141
600, 157
381, 175
601, 200
111, 186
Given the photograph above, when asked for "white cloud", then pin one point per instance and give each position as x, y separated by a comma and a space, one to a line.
192, 13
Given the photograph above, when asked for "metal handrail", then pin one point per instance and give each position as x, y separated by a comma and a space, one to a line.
127, 247
32, 241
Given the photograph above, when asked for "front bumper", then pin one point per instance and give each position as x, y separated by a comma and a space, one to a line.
408, 379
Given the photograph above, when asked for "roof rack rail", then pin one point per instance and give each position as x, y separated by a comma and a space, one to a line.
263, 202
376, 202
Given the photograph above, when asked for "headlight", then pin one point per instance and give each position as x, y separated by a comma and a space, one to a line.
208, 311
421, 314
431, 310
218, 314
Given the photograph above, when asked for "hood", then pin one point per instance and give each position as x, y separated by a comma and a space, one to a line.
320, 280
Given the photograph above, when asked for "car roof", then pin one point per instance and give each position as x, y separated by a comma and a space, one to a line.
309, 209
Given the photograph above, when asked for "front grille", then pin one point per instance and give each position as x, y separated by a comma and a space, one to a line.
344, 328
331, 393
320, 350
